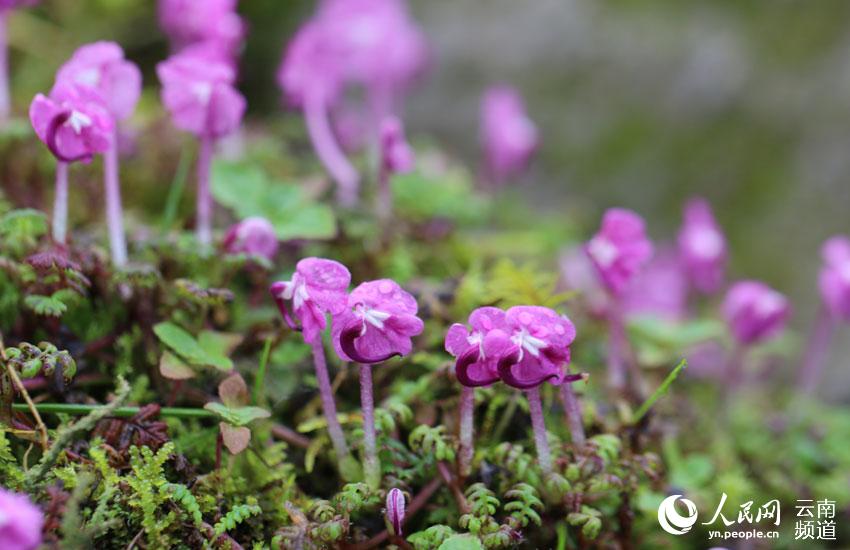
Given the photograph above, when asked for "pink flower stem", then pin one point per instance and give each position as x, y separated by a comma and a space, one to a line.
616, 351
5, 94
467, 429
112, 192
572, 410
60, 204
371, 465
816, 350
319, 128
385, 193
328, 403
538, 424
203, 212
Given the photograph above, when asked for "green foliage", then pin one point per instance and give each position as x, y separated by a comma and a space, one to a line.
151, 492
54, 305
235, 516
207, 350
432, 441
420, 196
21, 229
432, 537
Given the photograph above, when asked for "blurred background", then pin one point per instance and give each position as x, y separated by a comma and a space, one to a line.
640, 104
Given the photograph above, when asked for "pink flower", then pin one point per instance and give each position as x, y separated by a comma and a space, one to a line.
102, 66
660, 289
509, 138
540, 347
255, 236
199, 94
318, 287
73, 122
190, 21
378, 323
395, 510
834, 277
619, 249
702, 247
12, 4
755, 312
396, 154
479, 349
20, 522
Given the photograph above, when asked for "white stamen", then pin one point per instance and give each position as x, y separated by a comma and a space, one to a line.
77, 121
374, 317
529, 343
300, 296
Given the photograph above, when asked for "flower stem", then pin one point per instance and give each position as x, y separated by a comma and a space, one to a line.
328, 403
616, 353
5, 94
385, 194
114, 216
204, 200
319, 128
572, 410
371, 465
467, 427
77, 409
60, 204
535, 407
816, 350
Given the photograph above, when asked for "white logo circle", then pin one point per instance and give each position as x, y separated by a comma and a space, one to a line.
670, 519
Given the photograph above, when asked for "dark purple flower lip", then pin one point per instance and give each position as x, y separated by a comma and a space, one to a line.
346, 342
275, 291
52, 129
466, 360
507, 362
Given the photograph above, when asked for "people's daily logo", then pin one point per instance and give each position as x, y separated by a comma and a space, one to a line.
671, 520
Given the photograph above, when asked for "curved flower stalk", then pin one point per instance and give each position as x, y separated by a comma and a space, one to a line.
199, 93
74, 123
102, 67
5, 93
834, 284
702, 247
20, 522
377, 324
317, 288
618, 252
397, 157
755, 313
509, 138
371, 44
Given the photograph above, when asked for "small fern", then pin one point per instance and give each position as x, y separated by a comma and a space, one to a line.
235, 516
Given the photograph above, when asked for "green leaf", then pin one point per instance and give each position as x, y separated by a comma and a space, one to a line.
462, 542
421, 197
237, 416
180, 341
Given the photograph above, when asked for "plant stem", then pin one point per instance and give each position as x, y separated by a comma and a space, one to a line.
616, 353
332, 157
572, 410
257, 394
5, 93
60, 204
203, 210
659, 392
385, 193
538, 424
371, 465
76, 409
328, 404
175, 191
112, 192
467, 428
816, 350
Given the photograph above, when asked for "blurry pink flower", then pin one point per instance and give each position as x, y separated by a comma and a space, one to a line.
702, 247
834, 277
619, 249
73, 122
396, 154
660, 289
318, 287
12, 4
20, 522
200, 95
540, 347
479, 349
754, 311
578, 274
101, 65
190, 21
378, 323
255, 236
395, 510
508, 136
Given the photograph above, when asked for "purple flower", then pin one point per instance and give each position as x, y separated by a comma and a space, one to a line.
378, 323
199, 94
20, 522
191, 21
318, 287
254, 236
702, 247
834, 277
509, 138
73, 122
540, 347
102, 66
395, 510
620, 248
12, 4
755, 312
479, 349
396, 154
660, 289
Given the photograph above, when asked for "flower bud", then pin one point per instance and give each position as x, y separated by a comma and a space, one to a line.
395, 511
